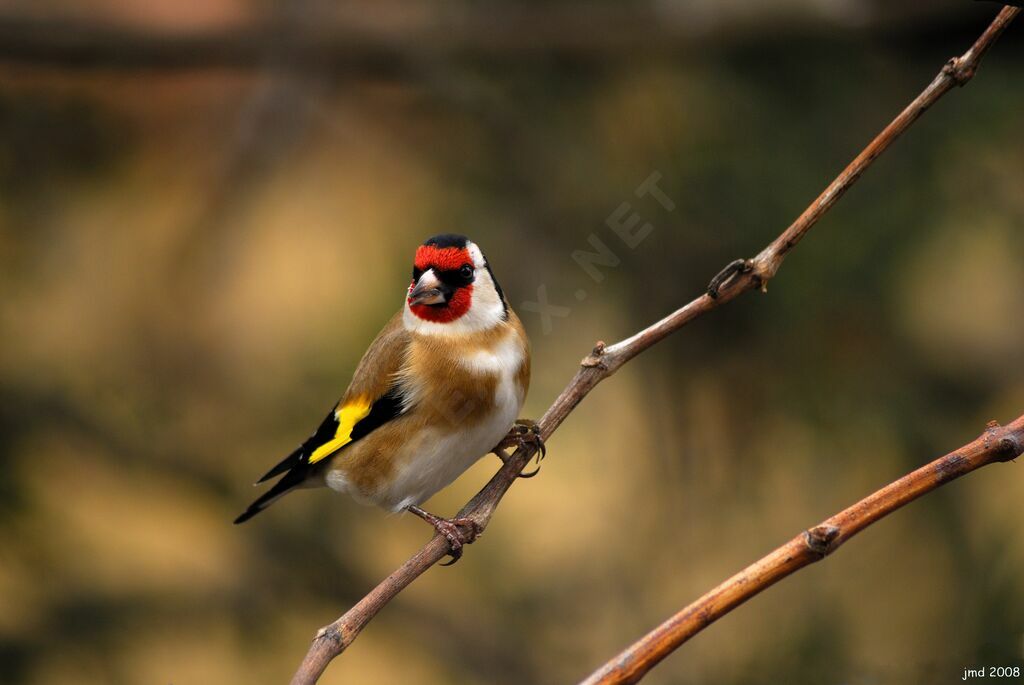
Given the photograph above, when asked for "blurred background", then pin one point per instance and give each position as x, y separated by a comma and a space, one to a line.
208, 208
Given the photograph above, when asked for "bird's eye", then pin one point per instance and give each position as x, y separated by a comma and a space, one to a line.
466, 271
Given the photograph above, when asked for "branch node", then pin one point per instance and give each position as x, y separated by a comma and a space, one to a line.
820, 538
766, 264
595, 358
733, 269
1007, 448
960, 70
332, 634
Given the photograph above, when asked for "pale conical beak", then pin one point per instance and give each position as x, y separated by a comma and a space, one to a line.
428, 290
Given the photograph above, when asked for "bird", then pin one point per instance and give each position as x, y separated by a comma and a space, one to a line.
440, 387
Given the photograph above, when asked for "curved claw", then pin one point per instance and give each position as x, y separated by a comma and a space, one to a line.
455, 554
504, 460
454, 546
531, 474
534, 438
542, 448
529, 436
525, 434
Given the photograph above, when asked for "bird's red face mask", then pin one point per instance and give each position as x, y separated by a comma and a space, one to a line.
442, 283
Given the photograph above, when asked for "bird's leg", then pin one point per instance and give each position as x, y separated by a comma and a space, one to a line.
524, 434
453, 530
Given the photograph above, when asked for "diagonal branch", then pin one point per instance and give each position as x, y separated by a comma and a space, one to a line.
996, 444
746, 275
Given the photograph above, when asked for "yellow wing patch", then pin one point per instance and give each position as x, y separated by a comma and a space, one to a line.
347, 416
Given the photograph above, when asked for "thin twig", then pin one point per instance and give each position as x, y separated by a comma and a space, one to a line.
996, 444
333, 639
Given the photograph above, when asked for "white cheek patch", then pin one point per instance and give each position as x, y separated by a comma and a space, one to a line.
487, 304
477, 255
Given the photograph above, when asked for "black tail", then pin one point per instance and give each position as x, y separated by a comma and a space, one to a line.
296, 464
299, 459
290, 480
294, 459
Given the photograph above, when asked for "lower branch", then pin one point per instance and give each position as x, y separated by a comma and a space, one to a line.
996, 444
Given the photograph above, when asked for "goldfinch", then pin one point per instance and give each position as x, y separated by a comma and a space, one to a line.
440, 387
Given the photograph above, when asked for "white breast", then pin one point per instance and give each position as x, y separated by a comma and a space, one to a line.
445, 455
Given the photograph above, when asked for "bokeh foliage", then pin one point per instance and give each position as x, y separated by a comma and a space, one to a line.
192, 262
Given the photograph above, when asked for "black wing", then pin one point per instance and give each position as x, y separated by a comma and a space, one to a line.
296, 466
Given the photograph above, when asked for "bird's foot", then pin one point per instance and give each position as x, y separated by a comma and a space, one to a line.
525, 434
457, 531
